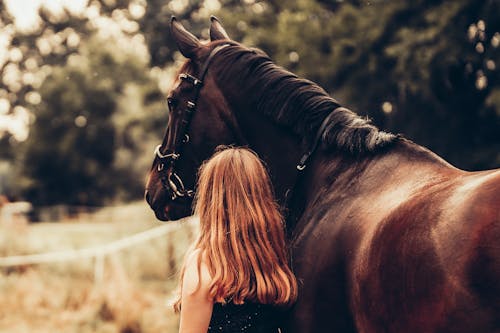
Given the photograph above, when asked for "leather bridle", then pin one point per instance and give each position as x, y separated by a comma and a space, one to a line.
172, 182
167, 156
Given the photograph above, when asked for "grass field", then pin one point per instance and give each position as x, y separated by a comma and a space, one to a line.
133, 295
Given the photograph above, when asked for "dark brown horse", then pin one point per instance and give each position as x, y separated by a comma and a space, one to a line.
385, 235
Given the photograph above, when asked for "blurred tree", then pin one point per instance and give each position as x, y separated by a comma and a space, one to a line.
55, 36
95, 102
6, 150
82, 124
7, 153
155, 26
425, 68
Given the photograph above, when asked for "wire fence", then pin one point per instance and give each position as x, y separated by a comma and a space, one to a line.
98, 253
12, 212
98, 270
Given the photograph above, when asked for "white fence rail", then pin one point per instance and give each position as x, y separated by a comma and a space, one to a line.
98, 252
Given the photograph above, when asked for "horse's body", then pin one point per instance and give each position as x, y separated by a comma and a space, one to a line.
385, 236
400, 242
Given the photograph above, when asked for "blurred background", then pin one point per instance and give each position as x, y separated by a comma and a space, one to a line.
82, 89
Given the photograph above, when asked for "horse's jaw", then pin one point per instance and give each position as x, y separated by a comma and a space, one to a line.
172, 213
166, 209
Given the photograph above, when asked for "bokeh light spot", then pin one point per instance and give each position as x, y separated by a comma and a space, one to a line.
81, 121
387, 107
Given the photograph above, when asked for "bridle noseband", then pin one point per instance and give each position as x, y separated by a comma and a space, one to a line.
171, 182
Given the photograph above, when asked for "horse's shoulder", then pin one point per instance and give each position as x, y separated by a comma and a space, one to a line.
475, 199
481, 247
486, 193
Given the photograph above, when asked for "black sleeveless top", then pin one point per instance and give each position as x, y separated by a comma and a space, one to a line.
246, 317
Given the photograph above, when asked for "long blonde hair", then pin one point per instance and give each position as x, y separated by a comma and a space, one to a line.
242, 237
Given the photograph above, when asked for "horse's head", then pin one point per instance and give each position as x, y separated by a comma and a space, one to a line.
199, 120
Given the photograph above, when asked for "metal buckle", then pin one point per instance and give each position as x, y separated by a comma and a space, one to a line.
173, 156
177, 189
195, 81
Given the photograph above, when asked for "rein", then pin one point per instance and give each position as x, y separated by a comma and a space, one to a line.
304, 160
171, 182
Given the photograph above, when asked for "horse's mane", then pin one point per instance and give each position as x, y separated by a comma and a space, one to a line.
296, 103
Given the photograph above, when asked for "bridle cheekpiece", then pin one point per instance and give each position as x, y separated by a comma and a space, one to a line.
171, 182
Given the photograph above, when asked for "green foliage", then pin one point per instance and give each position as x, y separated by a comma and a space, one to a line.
70, 156
155, 26
437, 85
98, 108
427, 69
46, 44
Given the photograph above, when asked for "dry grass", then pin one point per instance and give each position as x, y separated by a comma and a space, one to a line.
63, 297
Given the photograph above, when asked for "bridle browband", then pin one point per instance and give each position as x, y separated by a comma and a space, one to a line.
171, 182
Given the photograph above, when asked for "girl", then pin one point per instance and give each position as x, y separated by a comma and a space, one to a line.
236, 278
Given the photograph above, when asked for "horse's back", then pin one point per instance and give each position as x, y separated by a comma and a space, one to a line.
432, 264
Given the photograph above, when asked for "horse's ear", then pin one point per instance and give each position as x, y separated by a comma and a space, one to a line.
186, 41
217, 32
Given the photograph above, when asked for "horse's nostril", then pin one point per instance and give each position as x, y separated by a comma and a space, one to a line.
146, 196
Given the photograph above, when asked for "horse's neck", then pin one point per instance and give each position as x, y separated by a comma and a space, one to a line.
279, 147
402, 163
335, 180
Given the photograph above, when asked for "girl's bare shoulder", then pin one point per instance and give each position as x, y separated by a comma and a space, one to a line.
197, 276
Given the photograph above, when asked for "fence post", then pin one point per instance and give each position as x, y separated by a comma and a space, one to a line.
170, 253
99, 268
